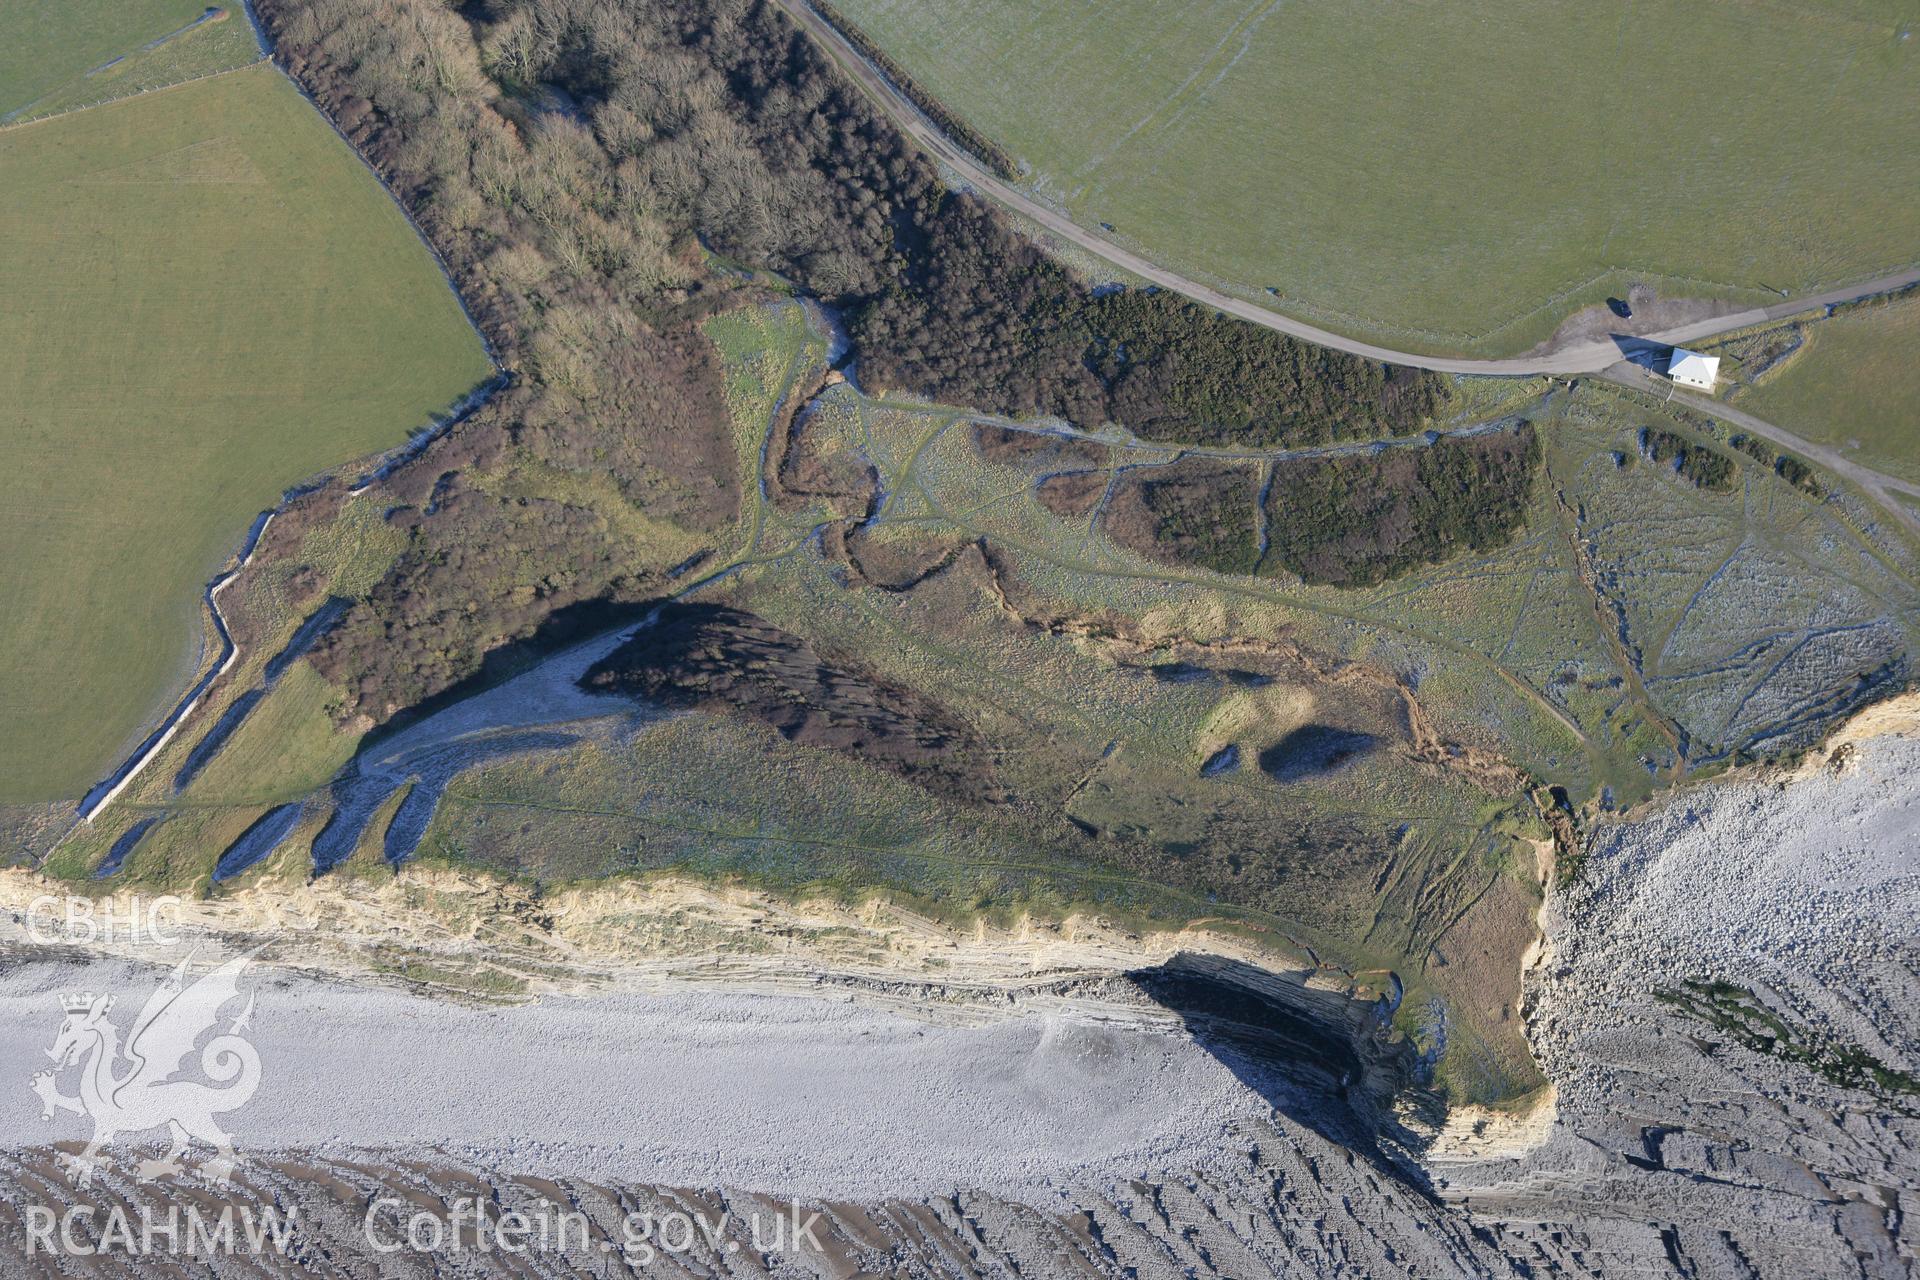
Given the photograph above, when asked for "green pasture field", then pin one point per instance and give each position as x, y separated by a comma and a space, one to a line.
209, 298
1855, 385
55, 54
1450, 177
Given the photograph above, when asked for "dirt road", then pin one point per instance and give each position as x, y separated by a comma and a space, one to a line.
1575, 358
1610, 358
1877, 485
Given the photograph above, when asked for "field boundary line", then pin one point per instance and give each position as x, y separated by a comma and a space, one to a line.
108, 789
267, 56
1598, 276
133, 97
105, 792
406, 214
259, 43
259, 32
1042, 233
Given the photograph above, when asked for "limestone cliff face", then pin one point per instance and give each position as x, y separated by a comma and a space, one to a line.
1291, 1030
1727, 1007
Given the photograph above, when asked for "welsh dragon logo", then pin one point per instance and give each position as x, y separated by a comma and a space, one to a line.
132, 1088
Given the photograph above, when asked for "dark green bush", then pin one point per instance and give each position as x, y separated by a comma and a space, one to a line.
1361, 518
1704, 468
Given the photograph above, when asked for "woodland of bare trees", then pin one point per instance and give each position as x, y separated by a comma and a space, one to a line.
581, 165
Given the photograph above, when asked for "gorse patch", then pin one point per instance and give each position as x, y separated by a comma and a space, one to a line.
1356, 519
1703, 468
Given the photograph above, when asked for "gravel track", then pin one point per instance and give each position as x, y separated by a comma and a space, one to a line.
1574, 358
